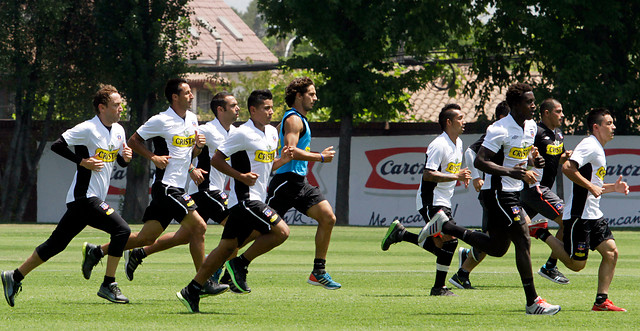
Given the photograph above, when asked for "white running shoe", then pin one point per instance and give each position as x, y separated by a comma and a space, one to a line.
541, 307
434, 226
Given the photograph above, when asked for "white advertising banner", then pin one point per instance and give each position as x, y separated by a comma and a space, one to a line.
385, 174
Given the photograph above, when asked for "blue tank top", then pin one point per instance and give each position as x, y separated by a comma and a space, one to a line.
296, 166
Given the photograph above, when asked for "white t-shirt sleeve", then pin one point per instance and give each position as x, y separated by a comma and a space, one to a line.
494, 139
77, 135
435, 153
469, 158
581, 154
152, 128
234, 143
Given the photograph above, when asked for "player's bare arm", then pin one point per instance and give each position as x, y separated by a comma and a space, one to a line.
218, 162
570, 169
292, 127
136, 143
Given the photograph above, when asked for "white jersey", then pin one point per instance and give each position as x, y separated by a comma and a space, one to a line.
215, 134
251, 150
516, 143
92, 138
446, 157
174, 136
592, 165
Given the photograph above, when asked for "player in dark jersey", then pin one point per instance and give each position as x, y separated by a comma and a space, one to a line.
586, 227
98, 142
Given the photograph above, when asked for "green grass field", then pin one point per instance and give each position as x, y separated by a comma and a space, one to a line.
380, 289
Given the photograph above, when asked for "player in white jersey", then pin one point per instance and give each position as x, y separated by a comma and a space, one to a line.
252, 149
514, 135
584, 223
206, 188
98, 142
440, 175
176, 141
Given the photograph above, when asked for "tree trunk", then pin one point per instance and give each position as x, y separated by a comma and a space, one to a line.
344, 167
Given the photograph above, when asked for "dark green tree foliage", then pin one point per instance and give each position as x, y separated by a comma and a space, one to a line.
43, 59
141, 44
586, 54
357, 42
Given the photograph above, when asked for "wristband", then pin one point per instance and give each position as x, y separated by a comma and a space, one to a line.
191, 170
198, 147
321, 158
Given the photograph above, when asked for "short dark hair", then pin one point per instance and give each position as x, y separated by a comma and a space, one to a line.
447, 114
257, 98
103, 96
219, 100
173, 87
548, 104
298, 85
516, 92
596, 116
502, 109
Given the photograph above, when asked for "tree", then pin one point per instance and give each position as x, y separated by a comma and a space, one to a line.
586, 54
356, 42
142, 44
46, 60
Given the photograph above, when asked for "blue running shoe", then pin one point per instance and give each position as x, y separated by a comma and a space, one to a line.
323, 280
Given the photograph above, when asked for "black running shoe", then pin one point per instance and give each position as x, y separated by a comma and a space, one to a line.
89, 259
442, 291
553, 275
461, 282
393, 235
112, 293
192, 302
11, 287
226, 279
213, 288
238, 275
132, 259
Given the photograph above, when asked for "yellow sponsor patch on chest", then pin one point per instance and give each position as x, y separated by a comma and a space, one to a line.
105, 155
180, 141
555, 149
601, 172
265, 156
520, 153
453, 168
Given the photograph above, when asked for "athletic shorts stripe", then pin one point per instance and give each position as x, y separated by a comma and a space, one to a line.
275, 191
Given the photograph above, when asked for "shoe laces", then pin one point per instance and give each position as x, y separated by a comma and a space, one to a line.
115, 289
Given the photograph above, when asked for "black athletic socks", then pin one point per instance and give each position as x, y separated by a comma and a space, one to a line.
194, 287
463, 273
319, 266
98, 252
17, 276
551, 263
243, 261
410, 237
601, 298
529, 290
142, 254
108, 280
543, 234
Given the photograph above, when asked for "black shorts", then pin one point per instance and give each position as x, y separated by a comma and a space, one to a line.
580, 235
292, 190
503, 209
541, 200
211, 205
168, 203
249, 215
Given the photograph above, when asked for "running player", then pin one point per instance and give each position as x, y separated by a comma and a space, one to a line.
290, 188
587, 228
440, 175
514, 135
175, 140
252, 149
206, 188
99, 142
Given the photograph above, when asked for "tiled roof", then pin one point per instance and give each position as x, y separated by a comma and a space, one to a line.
427, 103
215, 14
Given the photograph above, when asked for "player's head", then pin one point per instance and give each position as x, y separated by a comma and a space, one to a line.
219, 100
451, 116
521, 100
551, 113
596, 116
260, 104
502, 110
302, 88
103, 96
174, 86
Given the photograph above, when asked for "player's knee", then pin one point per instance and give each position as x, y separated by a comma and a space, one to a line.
611, 255
145, 240
576, 265
282, 233
328, 219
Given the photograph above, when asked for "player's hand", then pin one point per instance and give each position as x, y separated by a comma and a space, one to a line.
92, 163
201, 140
530, 177
161, 161
464, 176
286, 154
538, 160
127, 153
197, 175
518, 171
595, 190
621, 187
565, 156
249, 178
477, 184
328, 154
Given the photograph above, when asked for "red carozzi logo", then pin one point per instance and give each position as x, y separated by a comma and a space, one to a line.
396, 168
625, 162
